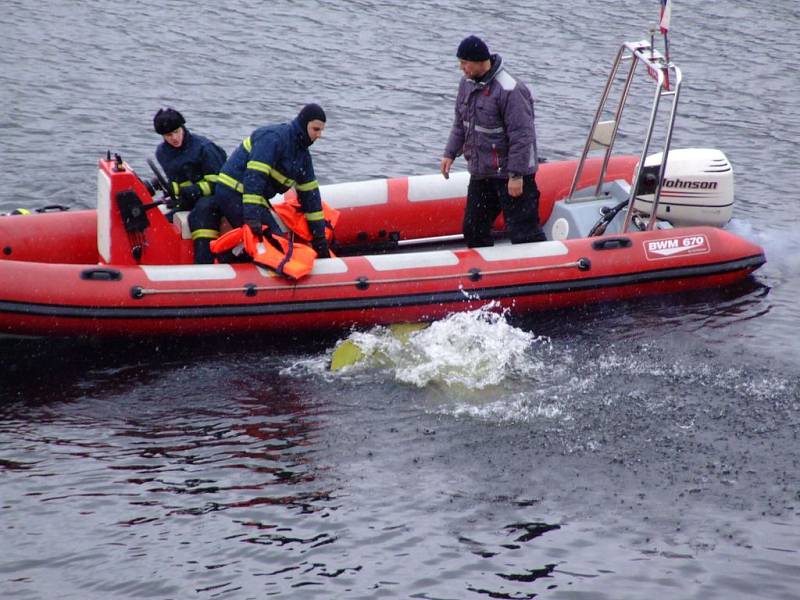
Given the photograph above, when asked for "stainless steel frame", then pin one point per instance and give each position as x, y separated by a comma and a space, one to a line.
667, 78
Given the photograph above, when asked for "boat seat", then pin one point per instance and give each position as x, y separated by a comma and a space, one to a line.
180, 220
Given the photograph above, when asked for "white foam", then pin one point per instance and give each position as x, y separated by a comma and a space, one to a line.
468, 350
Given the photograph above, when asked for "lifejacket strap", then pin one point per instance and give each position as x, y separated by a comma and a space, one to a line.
288, 255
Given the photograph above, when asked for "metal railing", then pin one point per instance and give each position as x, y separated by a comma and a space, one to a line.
667, 78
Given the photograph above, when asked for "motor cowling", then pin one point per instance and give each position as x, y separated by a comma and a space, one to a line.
697, 188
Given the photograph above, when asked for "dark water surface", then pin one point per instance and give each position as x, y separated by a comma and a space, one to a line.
640, 450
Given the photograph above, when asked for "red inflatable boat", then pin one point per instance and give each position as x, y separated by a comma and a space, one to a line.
125, 270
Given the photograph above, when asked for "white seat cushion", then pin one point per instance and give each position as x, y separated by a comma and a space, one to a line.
181, 220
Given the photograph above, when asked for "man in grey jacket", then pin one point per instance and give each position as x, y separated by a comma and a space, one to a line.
494, 129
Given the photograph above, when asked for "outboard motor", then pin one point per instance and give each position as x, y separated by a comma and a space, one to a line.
697, 188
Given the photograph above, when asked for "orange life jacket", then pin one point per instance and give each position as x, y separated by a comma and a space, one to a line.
289, 254
285, 255
227, 241
291, 215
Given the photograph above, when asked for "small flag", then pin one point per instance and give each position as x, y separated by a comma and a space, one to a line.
666, 12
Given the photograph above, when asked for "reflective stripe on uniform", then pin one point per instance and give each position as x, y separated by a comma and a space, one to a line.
281, 178
230, 182
305, 187
262, 167
254, 199
315, 216
205, 187
205, 234
480, 129
257, 165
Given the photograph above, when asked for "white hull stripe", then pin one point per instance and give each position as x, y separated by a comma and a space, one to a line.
413, 260
359, 193
521, 251
188, 272
422, 188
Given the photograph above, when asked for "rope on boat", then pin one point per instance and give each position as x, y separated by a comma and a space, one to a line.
362, 283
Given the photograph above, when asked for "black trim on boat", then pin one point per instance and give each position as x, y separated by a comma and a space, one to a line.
611, 243
101, 274
338, 304
665, 201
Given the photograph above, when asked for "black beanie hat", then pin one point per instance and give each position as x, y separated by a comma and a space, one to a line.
167, 120
310, 112
473, 48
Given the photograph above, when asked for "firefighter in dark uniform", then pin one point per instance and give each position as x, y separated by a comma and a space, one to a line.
191, 163
270, 161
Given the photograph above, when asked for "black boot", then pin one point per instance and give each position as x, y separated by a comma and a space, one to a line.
202, 252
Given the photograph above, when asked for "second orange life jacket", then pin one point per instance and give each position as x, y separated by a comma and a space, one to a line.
284, 255
291, 215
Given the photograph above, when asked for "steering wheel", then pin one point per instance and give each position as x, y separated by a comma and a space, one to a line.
162, 180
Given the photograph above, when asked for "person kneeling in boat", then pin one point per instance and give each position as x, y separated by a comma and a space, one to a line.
273, 159
191, 163
494, 129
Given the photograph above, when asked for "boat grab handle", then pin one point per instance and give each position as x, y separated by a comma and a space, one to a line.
101, 274
612, 243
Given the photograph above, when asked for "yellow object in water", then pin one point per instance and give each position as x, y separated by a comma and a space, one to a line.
348, 353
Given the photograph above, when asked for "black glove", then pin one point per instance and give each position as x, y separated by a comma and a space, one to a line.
188, 197
255, 227
320, 245
318, 241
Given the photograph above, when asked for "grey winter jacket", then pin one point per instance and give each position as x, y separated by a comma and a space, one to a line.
493, 125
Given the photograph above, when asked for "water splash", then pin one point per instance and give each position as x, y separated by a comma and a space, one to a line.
782, 248
469, 350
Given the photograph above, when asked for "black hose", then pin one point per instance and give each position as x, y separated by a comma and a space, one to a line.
599, 228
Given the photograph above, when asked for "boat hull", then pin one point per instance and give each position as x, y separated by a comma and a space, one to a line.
68, 300
107, 273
